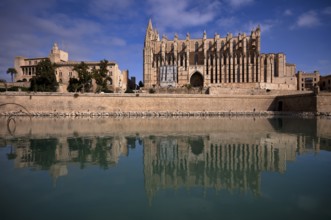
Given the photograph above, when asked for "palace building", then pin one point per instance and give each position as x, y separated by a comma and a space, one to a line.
225, 61
26, 69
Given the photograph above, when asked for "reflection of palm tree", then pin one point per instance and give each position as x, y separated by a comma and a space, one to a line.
12, 155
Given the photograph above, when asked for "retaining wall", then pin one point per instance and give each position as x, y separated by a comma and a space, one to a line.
91, 103
44, 102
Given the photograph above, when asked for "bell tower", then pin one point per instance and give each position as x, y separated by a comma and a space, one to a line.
151, 36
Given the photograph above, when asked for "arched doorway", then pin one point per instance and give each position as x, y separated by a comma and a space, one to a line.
196, 80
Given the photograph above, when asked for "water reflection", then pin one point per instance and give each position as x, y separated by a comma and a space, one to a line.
209, 162
219, 155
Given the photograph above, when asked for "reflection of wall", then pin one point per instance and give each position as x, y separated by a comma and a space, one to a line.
235, 127
210, 162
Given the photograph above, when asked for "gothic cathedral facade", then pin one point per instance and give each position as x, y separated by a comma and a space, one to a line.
220, 61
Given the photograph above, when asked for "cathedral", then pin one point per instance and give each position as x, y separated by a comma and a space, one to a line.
228, 61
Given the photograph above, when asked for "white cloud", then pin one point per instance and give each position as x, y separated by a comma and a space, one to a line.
179, 14
239, 3
308, 20
227, 22
32, 30
265, 26
327, 11
288, 12
67, 27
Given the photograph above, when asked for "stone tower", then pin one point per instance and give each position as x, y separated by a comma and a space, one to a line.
150, 39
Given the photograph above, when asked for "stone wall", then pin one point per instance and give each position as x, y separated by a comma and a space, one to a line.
323, 102
70, 103
62, 103
13, 84
320, 103
297, 103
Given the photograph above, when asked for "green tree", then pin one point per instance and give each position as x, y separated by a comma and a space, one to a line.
74, 85
84, 75
12, 72
103, 68
45, 79
141, 84
101, 77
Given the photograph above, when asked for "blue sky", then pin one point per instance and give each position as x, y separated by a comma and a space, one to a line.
92, 30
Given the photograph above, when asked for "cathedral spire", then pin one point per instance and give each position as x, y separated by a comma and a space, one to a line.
150, 26
149, 31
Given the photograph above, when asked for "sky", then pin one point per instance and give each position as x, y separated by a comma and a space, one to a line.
93, 30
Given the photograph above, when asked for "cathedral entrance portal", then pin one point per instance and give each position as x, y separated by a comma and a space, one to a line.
196, 80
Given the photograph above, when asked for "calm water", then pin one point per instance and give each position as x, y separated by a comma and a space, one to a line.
219, 168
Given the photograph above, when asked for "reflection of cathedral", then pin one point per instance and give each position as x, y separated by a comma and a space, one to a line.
174, 162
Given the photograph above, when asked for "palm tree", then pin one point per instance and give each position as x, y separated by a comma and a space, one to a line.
11, 71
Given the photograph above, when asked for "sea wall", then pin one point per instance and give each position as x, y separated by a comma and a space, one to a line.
78, 104
323, 102
297, 103
89, 103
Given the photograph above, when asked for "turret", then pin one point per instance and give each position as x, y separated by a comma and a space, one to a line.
149, 33
58, 55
